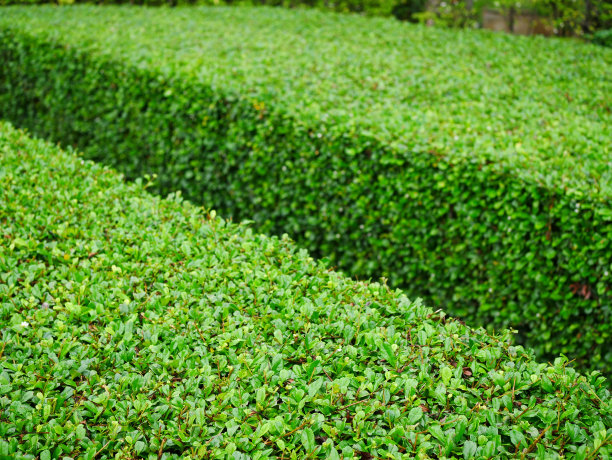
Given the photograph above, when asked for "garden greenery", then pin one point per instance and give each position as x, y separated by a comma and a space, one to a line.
587, 18
369, 7
141, 327
440, 159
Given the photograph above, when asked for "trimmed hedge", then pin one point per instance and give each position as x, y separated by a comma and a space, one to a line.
370, 7
136, 327
436, 158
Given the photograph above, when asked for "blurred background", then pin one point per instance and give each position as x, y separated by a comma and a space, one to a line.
584, 19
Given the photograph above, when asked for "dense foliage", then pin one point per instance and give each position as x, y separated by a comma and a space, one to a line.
142, 327
442, 163
603, 38
370, 7
591, 19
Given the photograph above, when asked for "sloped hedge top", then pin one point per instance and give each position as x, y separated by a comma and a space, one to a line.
146, 326
542, 106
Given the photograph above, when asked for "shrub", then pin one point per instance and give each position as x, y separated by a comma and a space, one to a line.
139, 327
407, 10
370, 7
602, 38
443, 163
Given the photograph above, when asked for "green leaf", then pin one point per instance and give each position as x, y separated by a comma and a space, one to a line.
416, 413
312, 368
517, 438
139, 446
314, 387
333, 454
437, 433
80, 432
19, 242
260, 396
469, 449
308, 440
446, 374
460, 429
230, 449
389, 354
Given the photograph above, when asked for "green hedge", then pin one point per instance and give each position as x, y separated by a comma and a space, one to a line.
436, 158
369, 7
136, 327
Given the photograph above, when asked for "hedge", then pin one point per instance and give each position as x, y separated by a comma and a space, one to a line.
369, 7
437, 159
139, 327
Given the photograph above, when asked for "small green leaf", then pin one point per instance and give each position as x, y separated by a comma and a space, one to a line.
308, 440
389, 354
469, 450
446, 373
437, 433
314, 387
312, 368
139, 446
516, 437
80, 432
230, 448
260, 396
19, 242
415, 415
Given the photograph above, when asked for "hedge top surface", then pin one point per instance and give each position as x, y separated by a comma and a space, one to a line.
135, 324
541, 107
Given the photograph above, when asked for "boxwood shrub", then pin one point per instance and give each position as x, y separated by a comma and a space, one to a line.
139, 327
438, 159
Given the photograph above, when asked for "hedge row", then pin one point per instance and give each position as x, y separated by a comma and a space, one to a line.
436, 158
140, 327
370, 7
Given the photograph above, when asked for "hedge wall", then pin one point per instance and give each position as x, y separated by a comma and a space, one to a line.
136, 327
479, 187
369, 7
